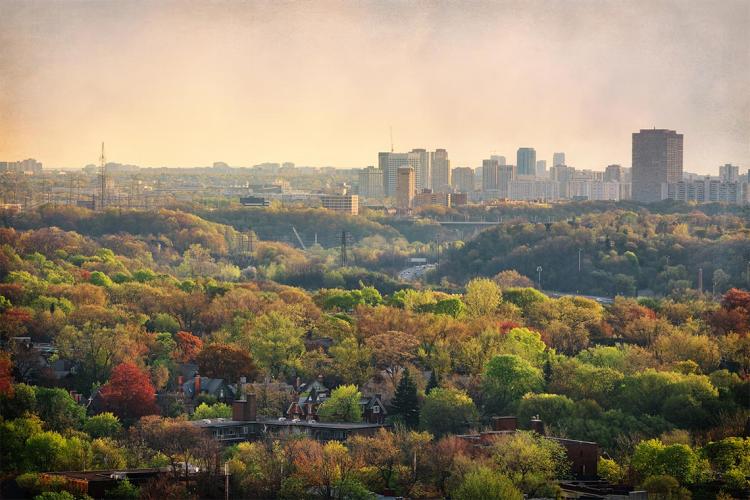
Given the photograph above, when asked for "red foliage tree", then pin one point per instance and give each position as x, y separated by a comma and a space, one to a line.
129, 393
227, 362
188, 347
734, 314
6, 376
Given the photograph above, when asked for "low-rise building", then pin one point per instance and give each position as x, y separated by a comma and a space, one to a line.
348, 203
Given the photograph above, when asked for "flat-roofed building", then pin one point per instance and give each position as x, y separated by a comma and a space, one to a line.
371, 183
405, 188
348, 203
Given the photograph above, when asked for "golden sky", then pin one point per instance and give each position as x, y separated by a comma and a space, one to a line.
319, 83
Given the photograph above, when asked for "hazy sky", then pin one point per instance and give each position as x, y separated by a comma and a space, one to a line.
320, 83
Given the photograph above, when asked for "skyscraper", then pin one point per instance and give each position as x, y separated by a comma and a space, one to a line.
441, 171
389, 163
462, 179
526, 161
405, 187
541, 168
729, 173
419, 160
558, 159
657, 160
371, 182
490, 175
613, 173
500, 159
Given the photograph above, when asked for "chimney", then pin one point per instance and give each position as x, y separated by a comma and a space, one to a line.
180, 381
245, 409
197, 384
537, 425
504, 423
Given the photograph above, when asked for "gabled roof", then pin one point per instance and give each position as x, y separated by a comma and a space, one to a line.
212, 386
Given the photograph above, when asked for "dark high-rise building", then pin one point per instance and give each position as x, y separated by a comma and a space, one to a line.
613, 173
526, 161
657, 160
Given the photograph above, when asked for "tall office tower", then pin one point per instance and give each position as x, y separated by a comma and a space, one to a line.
614, 173
405, 187
419, 160
371, 182
500, 159
441, 171
526, 161
541, 168
505, 175
729, 173
490, 175
657, 160
462, 179
389, 163
558, 159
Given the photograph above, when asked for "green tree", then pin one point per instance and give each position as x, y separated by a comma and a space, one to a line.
342, 406
124, 490
275, 341
484, 483
104, 424
43, 451
405, 403
447, 411
216, 410
530, 461
482, 297
665, 487
506, 379
351, 361
58, 409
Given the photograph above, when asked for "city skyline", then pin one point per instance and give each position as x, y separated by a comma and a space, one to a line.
322, 84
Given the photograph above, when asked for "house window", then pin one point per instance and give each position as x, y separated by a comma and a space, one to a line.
376, 409
244, 430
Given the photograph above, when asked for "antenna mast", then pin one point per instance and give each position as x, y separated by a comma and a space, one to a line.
103, 178
391, 139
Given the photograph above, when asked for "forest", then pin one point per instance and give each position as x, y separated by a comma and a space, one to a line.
110, 307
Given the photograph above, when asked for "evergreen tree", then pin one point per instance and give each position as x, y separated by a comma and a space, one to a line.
405, 405
433, 382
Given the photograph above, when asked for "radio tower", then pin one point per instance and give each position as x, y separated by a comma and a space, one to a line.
103, 178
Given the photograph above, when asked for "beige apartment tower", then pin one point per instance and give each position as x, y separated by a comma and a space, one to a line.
405, 187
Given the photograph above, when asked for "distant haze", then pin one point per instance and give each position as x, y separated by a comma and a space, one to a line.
320, 83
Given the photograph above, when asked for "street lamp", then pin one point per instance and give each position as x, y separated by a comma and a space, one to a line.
539, 277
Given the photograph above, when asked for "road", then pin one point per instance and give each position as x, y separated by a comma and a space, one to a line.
415, 272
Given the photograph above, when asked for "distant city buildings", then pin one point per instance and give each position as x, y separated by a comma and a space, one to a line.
729, 173
500, 159
657, 160
419, 160
526, 161
371, 183
428, 197
405, 188
28, 166
541, 168
462, 179
389, 163
348, 203
558, 159
441, 171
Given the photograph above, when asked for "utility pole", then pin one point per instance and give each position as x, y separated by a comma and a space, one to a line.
344, 257
539, 277
700, 279
103, 178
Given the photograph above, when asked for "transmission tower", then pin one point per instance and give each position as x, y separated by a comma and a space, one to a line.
343, 248
103, 179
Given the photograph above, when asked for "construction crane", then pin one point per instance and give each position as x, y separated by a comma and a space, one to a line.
299, 238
